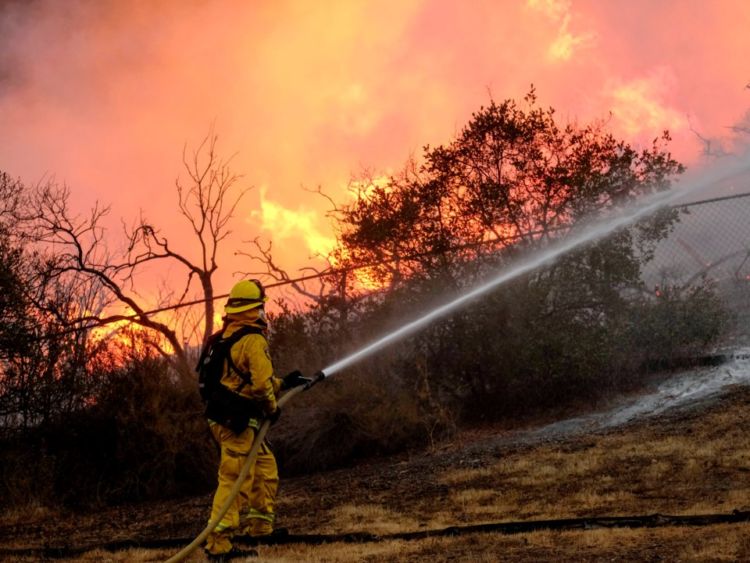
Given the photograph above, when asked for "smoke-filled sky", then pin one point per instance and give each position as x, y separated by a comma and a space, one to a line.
103, 95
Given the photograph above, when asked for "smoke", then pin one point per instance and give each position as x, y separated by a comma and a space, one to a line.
104, 95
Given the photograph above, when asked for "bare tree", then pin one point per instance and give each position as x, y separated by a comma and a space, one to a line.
208, 202
263, 253
714, 147
70, 246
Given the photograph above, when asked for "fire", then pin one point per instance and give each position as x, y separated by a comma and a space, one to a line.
555, 9
367, 186
286, 224
566, 41
364, 278
639, 107
127, 335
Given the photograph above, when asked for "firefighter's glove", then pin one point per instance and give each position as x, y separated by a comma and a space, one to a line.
274, 416
294, 379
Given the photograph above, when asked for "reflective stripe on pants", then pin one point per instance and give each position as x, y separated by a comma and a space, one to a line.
258, 515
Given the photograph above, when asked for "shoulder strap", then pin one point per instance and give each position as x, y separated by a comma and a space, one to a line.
231, 341
240, 332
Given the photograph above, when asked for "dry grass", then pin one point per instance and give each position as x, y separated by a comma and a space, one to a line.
721, 543
34, 511
692, 464
124, 556
463, 475
703, 469
368, 518
696, 465
716, 543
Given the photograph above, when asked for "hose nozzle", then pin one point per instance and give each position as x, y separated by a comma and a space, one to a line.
317, 377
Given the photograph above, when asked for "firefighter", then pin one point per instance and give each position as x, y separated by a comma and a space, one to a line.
248, 373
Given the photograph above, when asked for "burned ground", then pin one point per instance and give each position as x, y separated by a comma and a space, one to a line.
683, 461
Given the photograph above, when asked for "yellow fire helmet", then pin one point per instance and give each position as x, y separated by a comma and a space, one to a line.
245, 295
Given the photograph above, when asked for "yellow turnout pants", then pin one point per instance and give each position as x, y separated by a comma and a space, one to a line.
252, 512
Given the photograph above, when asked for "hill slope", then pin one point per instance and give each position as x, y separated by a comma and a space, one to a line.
682, 449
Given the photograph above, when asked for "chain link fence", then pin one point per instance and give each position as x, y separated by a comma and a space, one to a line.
711, 242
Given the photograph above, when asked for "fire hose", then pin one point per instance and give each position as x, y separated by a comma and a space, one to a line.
249, 462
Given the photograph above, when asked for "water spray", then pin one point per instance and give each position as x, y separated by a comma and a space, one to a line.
589, 234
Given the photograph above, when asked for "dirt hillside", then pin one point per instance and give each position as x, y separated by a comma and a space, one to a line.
693, 458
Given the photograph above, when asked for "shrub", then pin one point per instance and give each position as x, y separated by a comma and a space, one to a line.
142, 437
360, 413
676, 324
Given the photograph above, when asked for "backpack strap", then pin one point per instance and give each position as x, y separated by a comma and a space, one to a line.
231, 341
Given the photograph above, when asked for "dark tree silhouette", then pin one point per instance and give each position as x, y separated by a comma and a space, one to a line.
71, 247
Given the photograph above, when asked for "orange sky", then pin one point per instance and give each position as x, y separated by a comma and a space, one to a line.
103, 95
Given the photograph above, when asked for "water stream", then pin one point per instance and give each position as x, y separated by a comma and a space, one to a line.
573, 241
